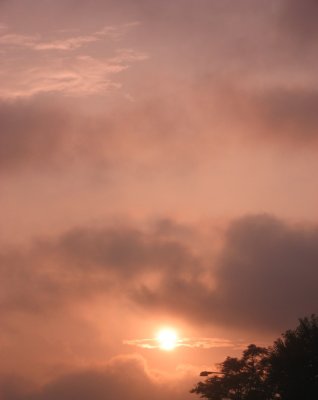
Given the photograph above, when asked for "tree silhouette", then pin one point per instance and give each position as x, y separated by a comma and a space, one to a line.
287, 371
294, 362
244, 378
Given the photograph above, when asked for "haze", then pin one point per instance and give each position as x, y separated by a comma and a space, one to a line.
158, 168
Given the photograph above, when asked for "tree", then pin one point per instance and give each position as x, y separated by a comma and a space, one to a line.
239, 379
286, 371
293, 362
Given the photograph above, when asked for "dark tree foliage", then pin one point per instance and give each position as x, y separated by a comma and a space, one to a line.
294, 362
287, 371
244, 378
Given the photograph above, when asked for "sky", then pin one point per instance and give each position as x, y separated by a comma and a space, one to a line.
158, 169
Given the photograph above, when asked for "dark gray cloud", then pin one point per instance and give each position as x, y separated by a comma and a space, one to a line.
279, 114
265, 278
13, 387
285, 115
43, 133
86, 262
290, 114
40, 136
127, 251
299, 18
31, 134
267, 272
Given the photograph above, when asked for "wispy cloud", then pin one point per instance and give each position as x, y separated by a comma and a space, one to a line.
82, 75
117, 32
65, 44
202, 343
14, 39
63, 70
37, 42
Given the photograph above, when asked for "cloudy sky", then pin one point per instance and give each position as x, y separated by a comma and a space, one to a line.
158, 168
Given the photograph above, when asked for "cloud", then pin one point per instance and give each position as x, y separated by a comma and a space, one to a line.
86, 263
43, 133
80, 75
219, 74
13, 39
128, 251
200, 343
158, 132
278, 113
32, 134
261, 280
75, 73
288, 114
264, 279
65, 44
299, 19
36, 42
266, 272
124, 377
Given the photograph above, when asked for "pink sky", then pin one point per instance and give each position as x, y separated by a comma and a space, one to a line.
158, 167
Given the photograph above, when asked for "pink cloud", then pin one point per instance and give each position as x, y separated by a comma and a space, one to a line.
62, 69
201, 343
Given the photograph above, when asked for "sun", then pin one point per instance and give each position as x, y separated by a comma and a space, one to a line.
167, 339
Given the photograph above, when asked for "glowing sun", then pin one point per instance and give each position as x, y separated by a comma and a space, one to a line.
167, 339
